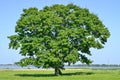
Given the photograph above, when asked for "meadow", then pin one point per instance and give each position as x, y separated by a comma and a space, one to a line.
68, 74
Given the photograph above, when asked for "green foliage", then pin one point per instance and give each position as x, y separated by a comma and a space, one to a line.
56, 35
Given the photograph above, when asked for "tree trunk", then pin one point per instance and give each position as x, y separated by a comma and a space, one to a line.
58, 71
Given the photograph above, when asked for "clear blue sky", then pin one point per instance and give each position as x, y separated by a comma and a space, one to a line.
107, 10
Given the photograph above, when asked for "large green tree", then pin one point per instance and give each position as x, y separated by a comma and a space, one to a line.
56, 35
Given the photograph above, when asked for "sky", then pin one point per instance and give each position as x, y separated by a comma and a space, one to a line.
107, 10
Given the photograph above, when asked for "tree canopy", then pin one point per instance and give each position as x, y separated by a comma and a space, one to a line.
56, 35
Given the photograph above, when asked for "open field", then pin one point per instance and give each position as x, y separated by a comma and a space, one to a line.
68, 74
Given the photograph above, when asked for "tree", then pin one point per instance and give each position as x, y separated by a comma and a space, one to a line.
56, 35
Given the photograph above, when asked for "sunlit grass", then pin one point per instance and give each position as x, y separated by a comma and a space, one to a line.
68, 74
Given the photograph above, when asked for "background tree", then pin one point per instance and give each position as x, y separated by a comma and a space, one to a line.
56, 35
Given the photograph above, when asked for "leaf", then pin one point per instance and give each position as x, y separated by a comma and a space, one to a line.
56, 34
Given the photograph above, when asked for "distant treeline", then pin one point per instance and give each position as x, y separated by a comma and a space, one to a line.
92, 66
99, 65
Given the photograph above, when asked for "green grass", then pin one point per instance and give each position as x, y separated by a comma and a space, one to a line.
68, 74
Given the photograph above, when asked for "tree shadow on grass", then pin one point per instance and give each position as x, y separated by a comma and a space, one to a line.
77, 73
35, 75
52, 75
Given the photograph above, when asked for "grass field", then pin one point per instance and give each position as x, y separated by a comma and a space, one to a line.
68, 74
